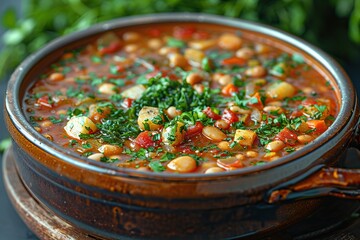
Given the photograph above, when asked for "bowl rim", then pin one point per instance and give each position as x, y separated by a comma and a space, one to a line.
15, 111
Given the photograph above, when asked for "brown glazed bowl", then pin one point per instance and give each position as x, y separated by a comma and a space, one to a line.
122, 203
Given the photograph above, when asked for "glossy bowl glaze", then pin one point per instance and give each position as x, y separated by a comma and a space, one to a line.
117, 203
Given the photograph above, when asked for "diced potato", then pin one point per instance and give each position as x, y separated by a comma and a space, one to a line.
150, 119
194, 55
244, 137
107, 88
79, 125
202, 44
134, 92
280, 90
173, 135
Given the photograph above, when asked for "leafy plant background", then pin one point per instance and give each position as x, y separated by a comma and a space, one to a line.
333, 25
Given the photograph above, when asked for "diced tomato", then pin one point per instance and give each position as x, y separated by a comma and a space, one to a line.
233, 61
111, 48
296, 114
319, 126
229, 89
229, 116
287, 136
44, 101
184, 149
154, 32
210, 113
308, 102
259, 103
184, 32
145, 140
127, 102
194, 130
201, 35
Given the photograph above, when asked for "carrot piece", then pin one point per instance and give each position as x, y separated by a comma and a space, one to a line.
319, 126
233, 61
229, 89
287, 136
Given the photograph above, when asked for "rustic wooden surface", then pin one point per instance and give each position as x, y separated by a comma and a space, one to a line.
41, 221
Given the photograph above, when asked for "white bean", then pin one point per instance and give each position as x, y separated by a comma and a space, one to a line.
182, 164
213, 133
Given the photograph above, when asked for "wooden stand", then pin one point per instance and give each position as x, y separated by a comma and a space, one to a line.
40, 220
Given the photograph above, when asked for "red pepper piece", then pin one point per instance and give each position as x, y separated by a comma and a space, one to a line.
209, 112
229, 116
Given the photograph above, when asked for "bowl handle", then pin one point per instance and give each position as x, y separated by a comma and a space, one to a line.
319, 181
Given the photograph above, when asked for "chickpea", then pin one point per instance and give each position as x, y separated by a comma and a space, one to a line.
251, 154
217, 76
214, 170
46, 124
273, 109
108, 149
225, 80
222, 124
56, 77
182, 164
155, 43
239, 156
177, 60
304, 139
257, 71
107, 88
202, 44
199, 88
224, 145
172, 112
131, 36
245, 53
96, 156
275, 146
131, 48
230, 41
213, 133
168, 50
194, 78
37, 129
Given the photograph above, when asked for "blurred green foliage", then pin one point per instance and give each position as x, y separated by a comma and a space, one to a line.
333, 25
